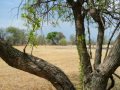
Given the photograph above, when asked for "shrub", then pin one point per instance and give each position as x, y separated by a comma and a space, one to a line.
62, 42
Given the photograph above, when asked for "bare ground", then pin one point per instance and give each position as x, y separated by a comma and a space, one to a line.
65, 57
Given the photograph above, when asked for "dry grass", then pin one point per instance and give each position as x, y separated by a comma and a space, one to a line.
65, 57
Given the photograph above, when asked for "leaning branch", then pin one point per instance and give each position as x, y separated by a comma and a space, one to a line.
112, 61
116, 28
36, 66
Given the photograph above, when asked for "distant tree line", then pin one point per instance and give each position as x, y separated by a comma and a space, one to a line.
16, 36
13, 35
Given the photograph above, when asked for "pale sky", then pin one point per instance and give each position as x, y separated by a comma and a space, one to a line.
8, 12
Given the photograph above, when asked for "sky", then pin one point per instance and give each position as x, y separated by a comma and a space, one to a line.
8, 13
8, 17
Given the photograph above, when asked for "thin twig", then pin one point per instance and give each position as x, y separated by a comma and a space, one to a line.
116, 75
116, 28
32, 49
24, 50
19, 8
111, 15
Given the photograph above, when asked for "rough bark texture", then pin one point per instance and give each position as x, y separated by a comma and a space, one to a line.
36, 66
98, 52
95, 14
92, 80
107, 68
97, 79
85, 63
112, 61
81, 45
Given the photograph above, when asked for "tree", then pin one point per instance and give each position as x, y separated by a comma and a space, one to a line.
34, 65
2, 34
41, 40
62, 42
54, 37
102, 13
16, 36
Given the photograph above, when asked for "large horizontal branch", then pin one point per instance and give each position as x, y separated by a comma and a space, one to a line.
112, 61
36, 66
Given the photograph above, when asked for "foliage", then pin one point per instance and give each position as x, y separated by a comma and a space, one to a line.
54, 37
16, 36
50, 12
2, 34
101, 12
13, 35
41, 40
72, 39
62, 42
33, 22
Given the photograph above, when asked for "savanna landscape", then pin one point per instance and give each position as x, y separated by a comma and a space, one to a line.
60, 45
64, 57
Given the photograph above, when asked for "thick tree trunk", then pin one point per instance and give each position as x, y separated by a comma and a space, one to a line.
107, 68
99, 82
86, 68
97, 79
36, 66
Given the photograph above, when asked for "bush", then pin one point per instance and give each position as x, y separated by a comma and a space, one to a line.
62, 42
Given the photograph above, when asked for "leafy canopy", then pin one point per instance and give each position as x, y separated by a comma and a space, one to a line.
55, 37
37, 12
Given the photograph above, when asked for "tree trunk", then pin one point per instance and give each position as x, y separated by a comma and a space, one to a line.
53, 42
97, 79
95, 14
36, 66
101, 75
99, 82
100, 37
86, 68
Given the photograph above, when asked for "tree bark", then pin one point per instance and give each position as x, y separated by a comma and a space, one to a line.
112, 61
36, 66
86, 68
107, 68
97, 79
95, 14
100, 37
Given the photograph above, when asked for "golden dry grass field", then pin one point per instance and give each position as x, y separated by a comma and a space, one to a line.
65, 57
